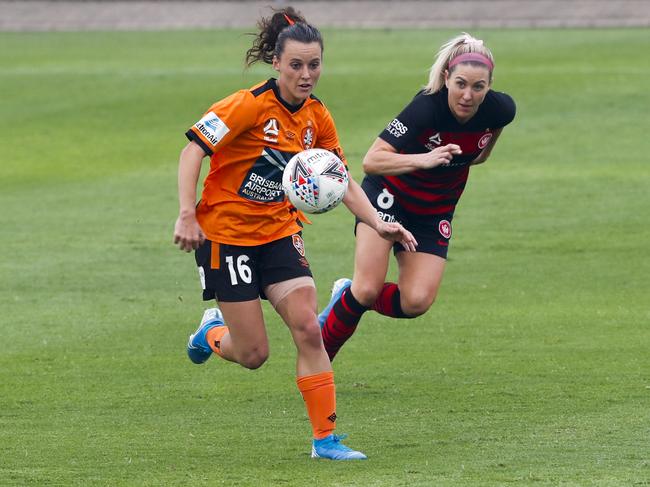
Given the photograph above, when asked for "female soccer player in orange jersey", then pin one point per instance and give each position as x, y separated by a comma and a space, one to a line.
246, 234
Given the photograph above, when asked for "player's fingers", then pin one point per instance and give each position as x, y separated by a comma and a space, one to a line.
411, 244
185, 244
411, 239
408, 245
179, 236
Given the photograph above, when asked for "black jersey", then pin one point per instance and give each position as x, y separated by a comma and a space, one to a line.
427, 123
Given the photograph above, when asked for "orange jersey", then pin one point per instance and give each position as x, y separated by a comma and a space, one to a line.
250, 136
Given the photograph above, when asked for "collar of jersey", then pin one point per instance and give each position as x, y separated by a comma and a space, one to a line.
292, 108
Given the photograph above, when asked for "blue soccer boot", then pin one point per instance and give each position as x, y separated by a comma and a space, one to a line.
339, 286
198, 349
331, 448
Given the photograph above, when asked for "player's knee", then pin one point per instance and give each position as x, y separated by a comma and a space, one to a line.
254, 358
308, 334
416, 304
366, 293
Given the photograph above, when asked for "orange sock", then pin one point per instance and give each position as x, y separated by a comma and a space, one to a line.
319, 394
214, 337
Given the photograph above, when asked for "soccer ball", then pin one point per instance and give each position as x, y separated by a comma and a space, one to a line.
315, 180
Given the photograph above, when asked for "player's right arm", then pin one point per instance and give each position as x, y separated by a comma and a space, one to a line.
386, 156
221, 124
187, 232
382, 158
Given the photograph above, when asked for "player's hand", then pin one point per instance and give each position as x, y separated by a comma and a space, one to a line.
187, 232
395, 232
440, 156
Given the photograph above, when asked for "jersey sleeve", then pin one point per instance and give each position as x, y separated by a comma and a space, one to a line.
327, 137
404, 128
224, 121
502, 109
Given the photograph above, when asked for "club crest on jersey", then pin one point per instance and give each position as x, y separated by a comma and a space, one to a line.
484, 140
299, 244
444, 227
271, 130
307, 137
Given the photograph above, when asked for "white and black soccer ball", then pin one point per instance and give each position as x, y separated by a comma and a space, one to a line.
315, 180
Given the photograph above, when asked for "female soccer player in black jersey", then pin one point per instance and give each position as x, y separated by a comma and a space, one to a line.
416, 172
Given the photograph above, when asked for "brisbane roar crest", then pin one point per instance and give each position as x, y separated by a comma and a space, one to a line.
299, 244
307, 137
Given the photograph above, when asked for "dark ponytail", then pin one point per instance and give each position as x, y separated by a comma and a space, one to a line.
274, 31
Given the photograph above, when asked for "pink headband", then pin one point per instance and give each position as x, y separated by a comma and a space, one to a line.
471, 56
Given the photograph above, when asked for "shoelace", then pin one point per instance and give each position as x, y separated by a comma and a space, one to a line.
337, 440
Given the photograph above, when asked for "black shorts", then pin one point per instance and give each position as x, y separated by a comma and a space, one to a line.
433, 232
235, 273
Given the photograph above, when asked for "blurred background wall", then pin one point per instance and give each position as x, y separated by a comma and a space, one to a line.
165, 14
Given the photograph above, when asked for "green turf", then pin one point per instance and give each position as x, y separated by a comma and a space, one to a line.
531, 369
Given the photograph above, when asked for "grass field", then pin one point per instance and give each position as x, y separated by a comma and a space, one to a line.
531, 369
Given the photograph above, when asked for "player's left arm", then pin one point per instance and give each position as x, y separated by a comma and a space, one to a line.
355, 198
485, 153
357, 202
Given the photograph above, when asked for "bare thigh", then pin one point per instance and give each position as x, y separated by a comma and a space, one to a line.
245, 321
370, 264
420, 276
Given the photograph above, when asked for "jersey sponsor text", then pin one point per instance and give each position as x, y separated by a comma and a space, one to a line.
212, 128
259, 188
397, 128
387, 217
